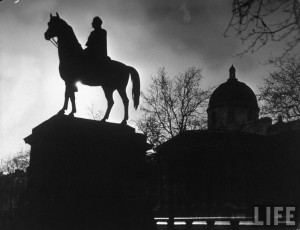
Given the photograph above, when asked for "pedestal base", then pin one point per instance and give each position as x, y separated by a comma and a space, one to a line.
85, 174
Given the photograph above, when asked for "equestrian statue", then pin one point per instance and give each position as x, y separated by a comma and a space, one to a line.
90, 66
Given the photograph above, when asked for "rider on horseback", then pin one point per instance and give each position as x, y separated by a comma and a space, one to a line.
96, 50
115, 76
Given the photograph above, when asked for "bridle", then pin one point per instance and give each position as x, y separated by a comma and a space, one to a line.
55, 43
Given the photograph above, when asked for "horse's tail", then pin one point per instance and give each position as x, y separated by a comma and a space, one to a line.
136, 86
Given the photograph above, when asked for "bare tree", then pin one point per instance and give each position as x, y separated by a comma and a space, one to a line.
173, 105
259, 21
18, 161
280, 94
94, 113
13, 180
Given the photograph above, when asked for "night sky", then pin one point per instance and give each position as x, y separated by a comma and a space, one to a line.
145, 34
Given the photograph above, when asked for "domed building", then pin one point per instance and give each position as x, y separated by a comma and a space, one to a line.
232, 105
240, 161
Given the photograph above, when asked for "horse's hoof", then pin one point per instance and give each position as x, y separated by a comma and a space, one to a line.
124, 122
103, 120
61, 112
71, 115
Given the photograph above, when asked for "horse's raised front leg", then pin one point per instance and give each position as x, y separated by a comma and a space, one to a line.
110, 102
125, 100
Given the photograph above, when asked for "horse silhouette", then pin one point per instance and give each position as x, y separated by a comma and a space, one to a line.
74, 67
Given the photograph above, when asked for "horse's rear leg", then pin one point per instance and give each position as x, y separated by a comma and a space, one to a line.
110, 102
125, 100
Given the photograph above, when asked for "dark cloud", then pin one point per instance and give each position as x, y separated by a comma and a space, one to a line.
184, 26
191, 27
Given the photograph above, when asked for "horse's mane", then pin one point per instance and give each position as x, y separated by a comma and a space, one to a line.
70, 33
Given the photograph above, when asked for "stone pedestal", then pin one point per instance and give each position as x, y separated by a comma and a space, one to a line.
85, 174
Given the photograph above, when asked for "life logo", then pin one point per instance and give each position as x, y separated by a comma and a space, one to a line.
275, 215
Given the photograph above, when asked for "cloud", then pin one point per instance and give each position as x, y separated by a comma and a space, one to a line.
19, 88
183, 26
186, 15
27, 12
190, 27
38, 10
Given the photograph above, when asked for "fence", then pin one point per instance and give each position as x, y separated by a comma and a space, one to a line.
210, 223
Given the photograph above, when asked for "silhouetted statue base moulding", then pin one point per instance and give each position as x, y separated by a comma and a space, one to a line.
85, 174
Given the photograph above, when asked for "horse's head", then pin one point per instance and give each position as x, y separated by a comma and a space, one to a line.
55, 27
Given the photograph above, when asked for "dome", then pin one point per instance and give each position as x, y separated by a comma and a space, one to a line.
232, 105
233, 93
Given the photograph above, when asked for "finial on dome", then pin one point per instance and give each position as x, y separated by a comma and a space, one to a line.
232, 73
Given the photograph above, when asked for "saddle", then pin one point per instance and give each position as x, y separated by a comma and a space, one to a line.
95, 69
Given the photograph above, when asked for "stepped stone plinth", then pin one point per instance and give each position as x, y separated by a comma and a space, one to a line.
85, 174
